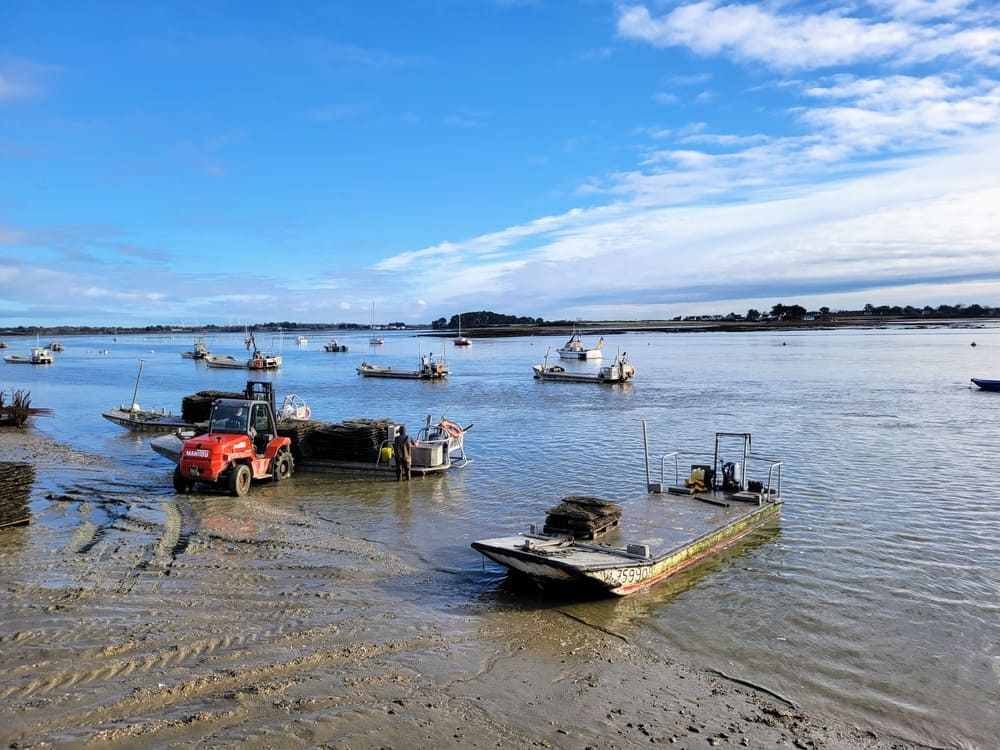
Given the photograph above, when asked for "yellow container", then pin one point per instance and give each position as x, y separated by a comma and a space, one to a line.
697, 474
386, 453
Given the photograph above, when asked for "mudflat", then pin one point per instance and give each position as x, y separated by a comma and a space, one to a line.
259, 625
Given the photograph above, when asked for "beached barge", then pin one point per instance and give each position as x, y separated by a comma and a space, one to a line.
670, 529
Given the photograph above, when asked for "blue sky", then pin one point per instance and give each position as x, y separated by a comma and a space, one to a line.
188, 163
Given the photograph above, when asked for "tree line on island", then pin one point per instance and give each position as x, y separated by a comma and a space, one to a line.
485, 319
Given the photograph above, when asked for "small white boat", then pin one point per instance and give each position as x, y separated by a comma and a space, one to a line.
302, 340
574, 349
460, 340
334, 346
55, 346
226, 361
429, 369
619, 371
375, 338
294, 409
39, 356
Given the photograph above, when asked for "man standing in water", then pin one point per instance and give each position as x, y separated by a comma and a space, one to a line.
401, 450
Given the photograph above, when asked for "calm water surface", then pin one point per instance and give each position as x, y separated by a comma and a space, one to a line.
876, 599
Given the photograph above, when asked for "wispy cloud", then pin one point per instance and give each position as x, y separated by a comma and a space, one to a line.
807, 41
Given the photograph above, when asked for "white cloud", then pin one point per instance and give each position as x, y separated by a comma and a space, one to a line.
800, 41
932, 217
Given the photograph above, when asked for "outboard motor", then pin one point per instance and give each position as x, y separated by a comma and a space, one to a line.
732, 477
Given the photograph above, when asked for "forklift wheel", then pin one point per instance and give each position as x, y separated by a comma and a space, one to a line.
182, 485
283, 465
239, 480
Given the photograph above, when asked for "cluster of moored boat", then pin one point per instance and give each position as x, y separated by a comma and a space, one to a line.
38, 355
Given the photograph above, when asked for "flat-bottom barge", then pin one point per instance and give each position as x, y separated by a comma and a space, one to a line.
672, 528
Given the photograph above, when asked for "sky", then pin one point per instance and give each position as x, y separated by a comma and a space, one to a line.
226, 162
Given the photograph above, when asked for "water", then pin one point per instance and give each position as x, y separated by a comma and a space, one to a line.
876, 599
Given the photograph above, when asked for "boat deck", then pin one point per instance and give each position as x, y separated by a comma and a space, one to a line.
656, 536
660, 521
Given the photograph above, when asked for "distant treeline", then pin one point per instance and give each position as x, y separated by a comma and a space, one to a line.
487, 319
908, 312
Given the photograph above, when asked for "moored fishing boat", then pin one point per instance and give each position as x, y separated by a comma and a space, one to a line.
619, 371
653, 537
39, 355
200, 350
430, 369
334, 346
257, 360
574, 349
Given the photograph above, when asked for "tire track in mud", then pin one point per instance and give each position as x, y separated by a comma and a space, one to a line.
74, 713
161, 613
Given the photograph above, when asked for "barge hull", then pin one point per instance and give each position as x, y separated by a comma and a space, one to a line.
558, 561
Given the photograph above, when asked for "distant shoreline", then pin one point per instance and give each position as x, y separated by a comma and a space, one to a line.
561, 328
714, 326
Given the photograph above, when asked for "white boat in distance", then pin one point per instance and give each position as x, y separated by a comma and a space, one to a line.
200, 350
375, 338
619, 371
429, 370
39, 356
460, 340
574, 349
257, 361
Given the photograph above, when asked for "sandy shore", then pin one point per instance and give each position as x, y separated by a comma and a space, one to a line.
147, 624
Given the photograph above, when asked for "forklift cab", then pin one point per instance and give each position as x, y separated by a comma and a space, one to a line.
261, 428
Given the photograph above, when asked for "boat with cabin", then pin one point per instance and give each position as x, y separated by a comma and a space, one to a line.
257, 360
619, 371
574, 348
39, 355
430, 369
334, 346
594, 548
200, 350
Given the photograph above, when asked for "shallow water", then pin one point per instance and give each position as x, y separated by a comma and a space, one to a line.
876, 599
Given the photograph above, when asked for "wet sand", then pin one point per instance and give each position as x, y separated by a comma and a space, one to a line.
143, 623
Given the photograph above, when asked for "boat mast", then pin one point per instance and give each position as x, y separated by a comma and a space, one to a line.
135, 392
